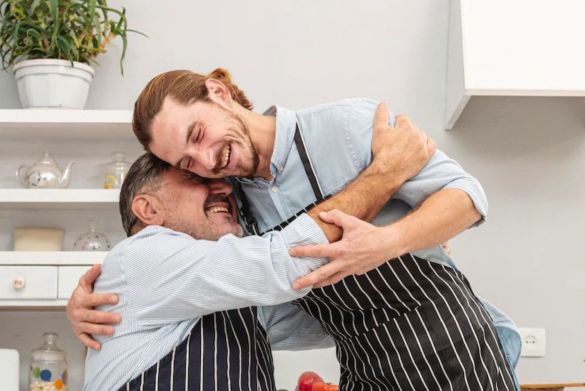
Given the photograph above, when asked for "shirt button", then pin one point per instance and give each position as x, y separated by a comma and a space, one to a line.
274, 189
280, 168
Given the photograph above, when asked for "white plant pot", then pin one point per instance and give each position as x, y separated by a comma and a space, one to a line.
52, 83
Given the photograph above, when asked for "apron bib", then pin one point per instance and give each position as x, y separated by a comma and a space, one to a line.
409, 324
224, 351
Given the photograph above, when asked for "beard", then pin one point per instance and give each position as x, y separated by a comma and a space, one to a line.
205, 229
239, 134
203, 226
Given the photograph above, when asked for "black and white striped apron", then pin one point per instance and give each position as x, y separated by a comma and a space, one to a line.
409, 324
224, 351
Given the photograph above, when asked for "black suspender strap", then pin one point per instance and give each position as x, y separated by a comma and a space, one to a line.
300, 143
245, 215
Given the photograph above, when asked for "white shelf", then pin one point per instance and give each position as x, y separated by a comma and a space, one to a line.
58, 198
535, 49
66, 124
29, 305
54, 258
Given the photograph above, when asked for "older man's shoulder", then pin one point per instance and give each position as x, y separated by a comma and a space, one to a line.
145, 243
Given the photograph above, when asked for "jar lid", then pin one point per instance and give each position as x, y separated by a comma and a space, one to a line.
49, 351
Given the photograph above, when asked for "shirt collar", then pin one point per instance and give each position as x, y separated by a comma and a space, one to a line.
286, 121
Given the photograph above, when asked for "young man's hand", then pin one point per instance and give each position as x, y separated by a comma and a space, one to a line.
84, 319
402, 150
360, 250
399, 153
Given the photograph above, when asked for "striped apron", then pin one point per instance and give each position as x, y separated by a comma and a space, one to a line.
224, 351
410, 324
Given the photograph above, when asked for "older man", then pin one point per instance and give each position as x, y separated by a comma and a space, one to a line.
188, 284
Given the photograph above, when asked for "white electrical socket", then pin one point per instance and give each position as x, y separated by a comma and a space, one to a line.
533, 342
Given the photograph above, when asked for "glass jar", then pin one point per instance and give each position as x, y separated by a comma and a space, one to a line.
116, 171
92, 241
48, 368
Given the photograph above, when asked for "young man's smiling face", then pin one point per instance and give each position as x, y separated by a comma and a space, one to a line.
205, 209
203, 138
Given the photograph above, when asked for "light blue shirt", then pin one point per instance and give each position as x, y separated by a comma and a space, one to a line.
338, 139
166, 281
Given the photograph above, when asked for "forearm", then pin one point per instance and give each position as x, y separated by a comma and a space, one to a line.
362, 198
191, 277
441, 217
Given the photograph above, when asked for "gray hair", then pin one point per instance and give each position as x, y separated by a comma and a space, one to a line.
145, 175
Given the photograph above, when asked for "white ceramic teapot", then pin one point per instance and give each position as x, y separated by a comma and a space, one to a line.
44, 173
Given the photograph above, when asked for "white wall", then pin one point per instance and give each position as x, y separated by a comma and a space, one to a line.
529, 153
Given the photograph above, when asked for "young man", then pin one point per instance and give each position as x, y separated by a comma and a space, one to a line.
411, 322
184, 267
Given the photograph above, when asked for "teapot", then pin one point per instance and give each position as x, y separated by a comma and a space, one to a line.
44, 173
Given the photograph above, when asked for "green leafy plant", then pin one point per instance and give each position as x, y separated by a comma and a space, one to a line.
74, 30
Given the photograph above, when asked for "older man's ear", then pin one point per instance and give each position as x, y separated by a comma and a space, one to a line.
148, 209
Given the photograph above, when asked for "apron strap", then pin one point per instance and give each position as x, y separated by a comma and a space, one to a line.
307, 165
247, 217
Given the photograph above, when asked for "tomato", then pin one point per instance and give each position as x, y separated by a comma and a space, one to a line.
306, 380
320, 386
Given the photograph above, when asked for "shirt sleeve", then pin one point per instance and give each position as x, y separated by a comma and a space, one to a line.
441, 172
173, 277
290, 328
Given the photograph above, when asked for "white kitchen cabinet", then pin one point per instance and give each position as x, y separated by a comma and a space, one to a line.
28, 282
68, 277
88, 137
514, 48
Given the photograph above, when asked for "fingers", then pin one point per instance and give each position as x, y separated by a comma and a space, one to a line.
316, 276
94, 329
99, 317
334, 279
381, 117
96, 299
404, 122
88, 278
89, 342
431, 147
314, 251
337, 217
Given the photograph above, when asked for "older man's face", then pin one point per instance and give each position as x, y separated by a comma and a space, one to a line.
202, 208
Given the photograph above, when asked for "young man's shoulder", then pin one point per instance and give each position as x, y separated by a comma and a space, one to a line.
342, 105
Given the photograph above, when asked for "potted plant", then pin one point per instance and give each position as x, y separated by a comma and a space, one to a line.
50, 45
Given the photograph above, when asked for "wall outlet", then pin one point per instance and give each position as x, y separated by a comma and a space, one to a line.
533, 342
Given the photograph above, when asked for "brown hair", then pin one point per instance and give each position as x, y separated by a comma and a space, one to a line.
183, 86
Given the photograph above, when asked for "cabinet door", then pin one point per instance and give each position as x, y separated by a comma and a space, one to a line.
28, 282
68, 277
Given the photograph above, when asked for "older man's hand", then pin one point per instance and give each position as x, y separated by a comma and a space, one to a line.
84, 319
399, 153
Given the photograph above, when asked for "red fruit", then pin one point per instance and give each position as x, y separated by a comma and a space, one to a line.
306, 381
320, 386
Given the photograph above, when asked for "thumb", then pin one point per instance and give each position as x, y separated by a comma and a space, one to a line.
381, 117
431, 147
88, 278
337, 217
